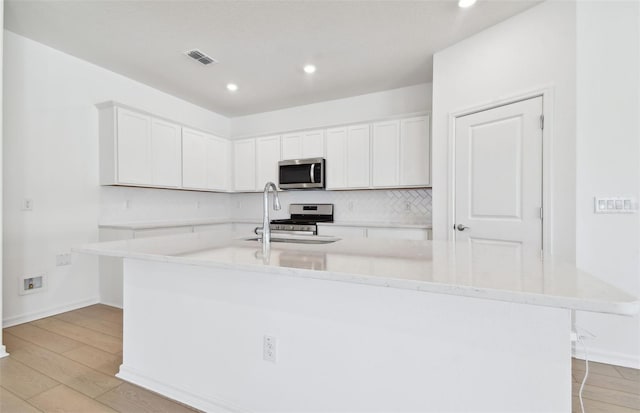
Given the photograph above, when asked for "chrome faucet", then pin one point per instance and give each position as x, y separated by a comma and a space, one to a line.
266, 228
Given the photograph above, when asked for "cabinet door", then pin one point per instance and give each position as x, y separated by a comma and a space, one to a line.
267, 157
166, 153
292, 146
398, 233
358, 157
386, 148
134, 148
218, 163
244, 165
313, 144
337, 158
414, 151
342, 231
194, 159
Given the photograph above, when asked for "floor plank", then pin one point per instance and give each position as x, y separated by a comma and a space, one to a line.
13, 343
629, 374
44, 338
128, 398
101, 312
594, 367
102, 361
75, 375
613, 397
614, 383
10, 403
23, 381
92, 323
594, 406
62, 399
84, 335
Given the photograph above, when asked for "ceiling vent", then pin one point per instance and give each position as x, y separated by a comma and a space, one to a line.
196, 54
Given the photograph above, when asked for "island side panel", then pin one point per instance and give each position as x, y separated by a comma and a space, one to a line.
196, 334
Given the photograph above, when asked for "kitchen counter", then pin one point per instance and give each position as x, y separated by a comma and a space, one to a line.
353, 325
141, 225
483, 271
377, 224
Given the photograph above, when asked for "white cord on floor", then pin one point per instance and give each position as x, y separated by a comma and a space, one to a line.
581, 336
586, 371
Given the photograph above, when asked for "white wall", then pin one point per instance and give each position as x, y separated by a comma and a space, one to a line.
354, 109
608, 144
589, 53
51, 157
2, 347
530, 51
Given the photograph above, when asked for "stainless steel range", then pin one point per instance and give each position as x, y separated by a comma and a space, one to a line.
303, 219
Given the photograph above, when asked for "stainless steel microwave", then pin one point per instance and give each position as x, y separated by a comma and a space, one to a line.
301, 174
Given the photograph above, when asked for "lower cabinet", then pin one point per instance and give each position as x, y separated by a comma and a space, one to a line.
348, 231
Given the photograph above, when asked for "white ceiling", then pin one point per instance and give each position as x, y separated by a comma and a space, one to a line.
358, 46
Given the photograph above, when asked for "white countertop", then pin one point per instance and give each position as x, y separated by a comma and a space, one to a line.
483, 271
174, 223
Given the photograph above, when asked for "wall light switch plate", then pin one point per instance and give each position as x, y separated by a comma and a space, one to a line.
27, 205
614, 205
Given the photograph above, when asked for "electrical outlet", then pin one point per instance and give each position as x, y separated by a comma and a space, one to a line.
198, 204
27, 205
63, 259
350, 206
407, 206
127, 204
269, 349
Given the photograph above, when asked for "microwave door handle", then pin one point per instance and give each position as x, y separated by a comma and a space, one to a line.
312, 173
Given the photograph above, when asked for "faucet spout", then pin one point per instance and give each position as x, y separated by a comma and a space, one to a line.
266, 228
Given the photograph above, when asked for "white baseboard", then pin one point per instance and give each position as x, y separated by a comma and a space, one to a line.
190, 399
25, 318
3, 351
607, 357
110, 304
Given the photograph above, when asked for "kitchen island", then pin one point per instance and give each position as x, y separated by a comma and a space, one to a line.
353, 325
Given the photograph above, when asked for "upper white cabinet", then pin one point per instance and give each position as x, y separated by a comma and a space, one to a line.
244, 165
401, 153
205, 164
133, 140
386, 154
348, 157
166, 153
267, 157
301, 145
415, 152
138, 149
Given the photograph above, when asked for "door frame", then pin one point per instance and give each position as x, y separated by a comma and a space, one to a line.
547, 94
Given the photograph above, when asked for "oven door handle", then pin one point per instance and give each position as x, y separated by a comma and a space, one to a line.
312, 173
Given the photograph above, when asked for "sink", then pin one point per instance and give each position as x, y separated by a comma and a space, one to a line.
299, 240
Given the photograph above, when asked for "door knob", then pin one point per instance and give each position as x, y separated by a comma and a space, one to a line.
461, 227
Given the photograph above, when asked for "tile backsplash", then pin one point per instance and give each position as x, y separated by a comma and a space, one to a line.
397, 205
124, 204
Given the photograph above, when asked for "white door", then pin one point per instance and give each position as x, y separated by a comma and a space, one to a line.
385, 152
267, 157
218, 168
498, 176
244, 165
358, 159
415, 155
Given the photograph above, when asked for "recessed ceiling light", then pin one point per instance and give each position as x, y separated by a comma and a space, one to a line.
309, 69
466, 3
232, 87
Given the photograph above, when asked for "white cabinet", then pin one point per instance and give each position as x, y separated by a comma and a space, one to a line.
401, 153
301, 145
415, 152
354, 231
194, 159
267, 157
205, 164
348, 157
244, 165
166, 153
386, 154
138, 149
133, 133
218, 163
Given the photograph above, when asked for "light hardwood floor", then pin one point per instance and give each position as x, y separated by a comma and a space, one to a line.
67, 363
